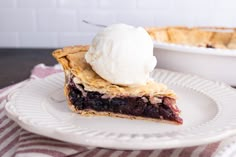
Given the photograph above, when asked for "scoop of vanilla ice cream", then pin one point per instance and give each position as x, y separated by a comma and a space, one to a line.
122, 54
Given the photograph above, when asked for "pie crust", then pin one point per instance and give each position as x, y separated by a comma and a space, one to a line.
79, 77
223, 38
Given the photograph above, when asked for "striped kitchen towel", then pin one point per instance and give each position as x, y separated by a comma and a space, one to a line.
17, 142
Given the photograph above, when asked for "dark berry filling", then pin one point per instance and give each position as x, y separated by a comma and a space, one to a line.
210, 46
135, 106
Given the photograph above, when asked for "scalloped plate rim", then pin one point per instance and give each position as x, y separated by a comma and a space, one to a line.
59, 135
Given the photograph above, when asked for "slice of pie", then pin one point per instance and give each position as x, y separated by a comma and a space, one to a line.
201, 37
88, 94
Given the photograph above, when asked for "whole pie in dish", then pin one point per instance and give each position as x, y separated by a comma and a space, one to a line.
201, 37
89, 94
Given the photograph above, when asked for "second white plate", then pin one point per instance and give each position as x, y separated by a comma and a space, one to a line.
208, 110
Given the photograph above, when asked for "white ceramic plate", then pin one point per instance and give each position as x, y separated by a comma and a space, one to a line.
213, 64
208, 109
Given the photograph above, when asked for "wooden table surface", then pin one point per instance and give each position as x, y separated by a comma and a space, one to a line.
16, 64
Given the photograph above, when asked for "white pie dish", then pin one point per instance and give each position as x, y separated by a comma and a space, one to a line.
213, 64
208, 111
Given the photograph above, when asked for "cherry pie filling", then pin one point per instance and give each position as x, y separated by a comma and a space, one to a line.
133, 106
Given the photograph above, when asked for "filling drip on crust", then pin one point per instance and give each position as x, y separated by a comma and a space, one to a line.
145, 106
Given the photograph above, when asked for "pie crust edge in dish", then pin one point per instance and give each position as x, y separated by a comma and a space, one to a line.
208, 37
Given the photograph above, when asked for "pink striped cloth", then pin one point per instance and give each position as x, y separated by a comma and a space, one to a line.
17, 142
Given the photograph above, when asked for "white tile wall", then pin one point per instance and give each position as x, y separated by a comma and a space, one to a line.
57, 23
136, 18
197, 4
56, 20
17, 20
154, 4
117, 4
7, 3
78, 4
225, 18
226, 4
8, 39
68, 38
36, 3
38, 39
